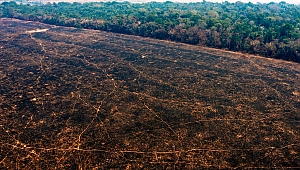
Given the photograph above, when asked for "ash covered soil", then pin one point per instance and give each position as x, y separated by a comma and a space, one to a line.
86, 99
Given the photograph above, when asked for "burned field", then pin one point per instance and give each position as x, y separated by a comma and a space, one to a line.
72, 99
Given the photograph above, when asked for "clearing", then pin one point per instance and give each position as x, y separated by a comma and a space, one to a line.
72, 99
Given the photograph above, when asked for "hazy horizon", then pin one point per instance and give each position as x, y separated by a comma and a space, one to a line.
296, 2
245, 1
256, 1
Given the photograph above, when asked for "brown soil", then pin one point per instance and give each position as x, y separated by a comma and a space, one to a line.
85, 99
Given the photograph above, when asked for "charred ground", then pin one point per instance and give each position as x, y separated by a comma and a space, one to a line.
88, 99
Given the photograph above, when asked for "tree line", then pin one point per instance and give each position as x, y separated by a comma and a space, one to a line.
271, 30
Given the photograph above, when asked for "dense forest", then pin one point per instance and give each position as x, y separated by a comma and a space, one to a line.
271, 30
